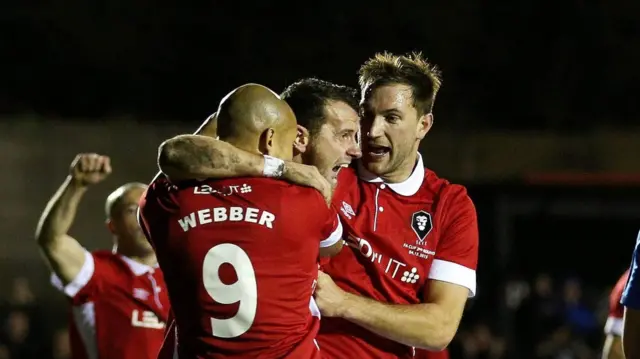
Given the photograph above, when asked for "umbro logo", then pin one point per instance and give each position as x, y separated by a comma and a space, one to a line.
347, 210
141, 294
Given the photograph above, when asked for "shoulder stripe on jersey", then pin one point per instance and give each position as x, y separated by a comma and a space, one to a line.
333, 237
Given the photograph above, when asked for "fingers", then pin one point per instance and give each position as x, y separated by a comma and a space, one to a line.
106, 165
92, 162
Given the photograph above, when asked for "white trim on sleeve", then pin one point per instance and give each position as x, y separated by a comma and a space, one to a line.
82, 278
614, 326
455, 273
333, 237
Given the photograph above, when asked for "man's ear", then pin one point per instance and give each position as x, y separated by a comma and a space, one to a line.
424, 125
109, 225
302, 140
267, 142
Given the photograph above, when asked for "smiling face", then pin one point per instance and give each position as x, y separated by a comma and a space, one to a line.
393, 128
335, 144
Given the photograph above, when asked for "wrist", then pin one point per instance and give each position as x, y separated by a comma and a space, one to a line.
273, 167
347, 305
76, 184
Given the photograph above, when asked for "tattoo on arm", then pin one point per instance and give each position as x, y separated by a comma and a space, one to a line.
193, 156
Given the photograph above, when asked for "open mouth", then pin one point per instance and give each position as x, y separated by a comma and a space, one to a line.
377, 151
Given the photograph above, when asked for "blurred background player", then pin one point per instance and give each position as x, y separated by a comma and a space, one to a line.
240, 256
615, 320
631, 301
118, 298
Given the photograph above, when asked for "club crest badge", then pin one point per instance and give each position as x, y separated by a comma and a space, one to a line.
422, 225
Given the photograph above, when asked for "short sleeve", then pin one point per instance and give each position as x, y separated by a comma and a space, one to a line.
88, 282
614, 321
631, 293
329, 221
457, 252
156, 202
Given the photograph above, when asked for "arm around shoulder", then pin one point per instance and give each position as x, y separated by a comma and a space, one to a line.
187, 157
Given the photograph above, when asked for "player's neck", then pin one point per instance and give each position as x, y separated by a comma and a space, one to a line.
149, 259
404, 171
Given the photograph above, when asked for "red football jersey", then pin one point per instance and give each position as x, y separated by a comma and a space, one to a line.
616, 310
425, 354
402, 234
240, 261
118, 308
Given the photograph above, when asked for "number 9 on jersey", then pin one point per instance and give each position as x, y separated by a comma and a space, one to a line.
244, 291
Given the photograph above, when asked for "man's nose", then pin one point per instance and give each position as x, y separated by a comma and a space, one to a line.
376, 127
354, 151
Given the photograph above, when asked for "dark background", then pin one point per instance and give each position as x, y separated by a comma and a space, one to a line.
537, 116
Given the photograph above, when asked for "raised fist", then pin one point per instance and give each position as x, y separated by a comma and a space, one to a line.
90, 168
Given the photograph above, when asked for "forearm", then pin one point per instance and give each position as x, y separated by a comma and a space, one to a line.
419, 325
58, 215
612, 348
198, 157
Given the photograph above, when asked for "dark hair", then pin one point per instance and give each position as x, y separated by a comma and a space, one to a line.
309, 96
411, 69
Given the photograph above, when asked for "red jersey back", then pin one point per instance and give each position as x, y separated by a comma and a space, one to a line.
240, 261
616, 310
401, 235
118, 308
425, 354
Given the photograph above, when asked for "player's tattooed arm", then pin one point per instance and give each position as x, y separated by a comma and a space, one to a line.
197, 157
63, 253
187, 157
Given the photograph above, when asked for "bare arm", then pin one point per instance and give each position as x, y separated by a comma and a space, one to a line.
198, 157
431, 325
64, 254
331, 250
612, 347
631, 333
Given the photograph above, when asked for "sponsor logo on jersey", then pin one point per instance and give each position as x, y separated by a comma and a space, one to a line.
223, 191
422, 225
390, 266
141, 294
146, 319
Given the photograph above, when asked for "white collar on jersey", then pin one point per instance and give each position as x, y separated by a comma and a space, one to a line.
409, 187
138, 268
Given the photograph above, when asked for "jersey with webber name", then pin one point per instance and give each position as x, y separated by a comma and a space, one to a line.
240, 259
401, 235
118, 308
614, 322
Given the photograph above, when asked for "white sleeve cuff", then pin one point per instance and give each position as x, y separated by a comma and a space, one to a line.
454, 273
334, 237
614, 326
82, 278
